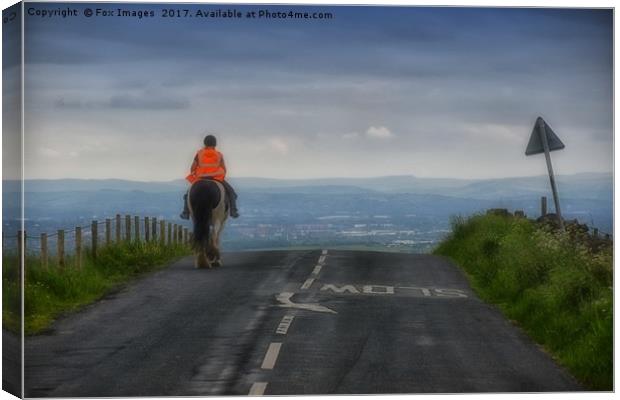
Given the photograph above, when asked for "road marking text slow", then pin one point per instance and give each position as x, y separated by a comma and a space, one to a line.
393, 290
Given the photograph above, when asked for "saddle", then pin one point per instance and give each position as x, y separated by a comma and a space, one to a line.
220, 185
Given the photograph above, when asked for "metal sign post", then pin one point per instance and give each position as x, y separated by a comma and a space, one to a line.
544, 140
543, 137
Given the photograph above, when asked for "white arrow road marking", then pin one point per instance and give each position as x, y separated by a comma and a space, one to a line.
285, 299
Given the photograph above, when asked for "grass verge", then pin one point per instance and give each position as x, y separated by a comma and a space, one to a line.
553, 285
52, 291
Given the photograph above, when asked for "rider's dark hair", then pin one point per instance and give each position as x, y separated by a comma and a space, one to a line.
210, 141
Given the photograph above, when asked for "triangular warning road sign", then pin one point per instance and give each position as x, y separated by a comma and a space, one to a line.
535, 145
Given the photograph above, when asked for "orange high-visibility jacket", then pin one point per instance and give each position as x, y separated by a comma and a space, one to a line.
208, 163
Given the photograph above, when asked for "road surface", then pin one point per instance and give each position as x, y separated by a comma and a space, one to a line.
291, 322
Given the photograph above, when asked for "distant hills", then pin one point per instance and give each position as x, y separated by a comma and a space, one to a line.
581, 186
594, 186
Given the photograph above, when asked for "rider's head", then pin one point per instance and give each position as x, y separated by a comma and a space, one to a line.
210, 141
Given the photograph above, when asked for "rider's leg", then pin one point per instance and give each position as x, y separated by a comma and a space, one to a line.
232, 198
185, 213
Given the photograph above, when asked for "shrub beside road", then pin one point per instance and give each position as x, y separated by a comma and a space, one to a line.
556, 285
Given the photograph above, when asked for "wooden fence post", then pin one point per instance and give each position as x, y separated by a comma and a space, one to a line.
543, 206
154, 230
44, 256
162, 232
108, 226
127, 228
595, 233
185, 236
176, 234
147, 229
169, 233
94, 239
136, 220
118, 228
61, 248
78, 247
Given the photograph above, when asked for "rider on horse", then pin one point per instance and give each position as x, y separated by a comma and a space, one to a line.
209, 164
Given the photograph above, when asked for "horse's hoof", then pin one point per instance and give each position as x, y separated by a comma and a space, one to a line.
217, 263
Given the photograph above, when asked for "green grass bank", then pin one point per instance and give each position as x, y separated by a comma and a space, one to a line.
556, 286
52, 291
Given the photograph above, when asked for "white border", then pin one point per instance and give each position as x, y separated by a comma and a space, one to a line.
471, 3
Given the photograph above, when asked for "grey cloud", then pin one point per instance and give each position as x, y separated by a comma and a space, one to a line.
448, 93
143, 103
124, 102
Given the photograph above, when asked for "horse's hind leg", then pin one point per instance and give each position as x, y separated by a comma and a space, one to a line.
214, 256
217, 262
201, 260
217, 229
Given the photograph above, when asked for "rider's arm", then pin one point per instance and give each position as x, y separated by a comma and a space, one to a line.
194, 164
222, 163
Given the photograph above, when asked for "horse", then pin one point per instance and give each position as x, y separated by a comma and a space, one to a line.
208, 210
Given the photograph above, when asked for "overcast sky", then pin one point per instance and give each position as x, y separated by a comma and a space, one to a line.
433, 92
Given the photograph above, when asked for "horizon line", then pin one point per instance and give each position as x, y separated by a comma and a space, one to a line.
319, 178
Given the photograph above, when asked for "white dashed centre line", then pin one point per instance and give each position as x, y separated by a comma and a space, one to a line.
315, 272
272, 356
258, 389
307, 283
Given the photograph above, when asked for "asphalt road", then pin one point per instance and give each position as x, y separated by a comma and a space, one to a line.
299, 322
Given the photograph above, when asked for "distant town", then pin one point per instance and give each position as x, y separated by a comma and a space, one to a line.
410, 234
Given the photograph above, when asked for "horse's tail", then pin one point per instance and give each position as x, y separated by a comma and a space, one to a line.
202, 228
203, 197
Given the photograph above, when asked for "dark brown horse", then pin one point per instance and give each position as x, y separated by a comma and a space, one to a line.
208, 210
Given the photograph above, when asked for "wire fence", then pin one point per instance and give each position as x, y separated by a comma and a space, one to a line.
94, 236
